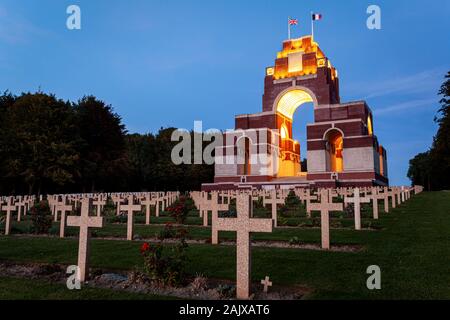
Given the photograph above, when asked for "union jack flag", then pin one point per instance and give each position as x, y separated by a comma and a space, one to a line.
293, 22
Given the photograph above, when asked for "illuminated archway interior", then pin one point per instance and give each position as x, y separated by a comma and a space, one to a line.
335, 150
291, 100
289, 164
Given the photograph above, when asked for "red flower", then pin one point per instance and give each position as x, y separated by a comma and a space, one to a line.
145, 247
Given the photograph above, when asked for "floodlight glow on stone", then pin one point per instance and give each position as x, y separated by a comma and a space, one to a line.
291, 100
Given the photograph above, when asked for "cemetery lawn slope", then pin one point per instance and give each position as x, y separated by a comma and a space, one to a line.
412, 250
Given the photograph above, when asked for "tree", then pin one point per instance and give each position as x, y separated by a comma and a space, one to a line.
49, 145
165, 173
432, 168
419, 170
141, 154
440, 151
103, 152
40, 141
6, 101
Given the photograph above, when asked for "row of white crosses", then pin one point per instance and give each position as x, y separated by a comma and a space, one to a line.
85, 222
325, 206
19, 204
243, 225
62, 205
357, 196
205, 203
99, 200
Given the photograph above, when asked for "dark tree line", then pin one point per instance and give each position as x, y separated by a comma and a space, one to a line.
48, 145
432, 168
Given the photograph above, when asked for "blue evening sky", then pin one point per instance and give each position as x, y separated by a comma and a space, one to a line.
168, 63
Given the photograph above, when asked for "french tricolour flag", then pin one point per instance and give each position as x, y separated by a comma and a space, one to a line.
316, 16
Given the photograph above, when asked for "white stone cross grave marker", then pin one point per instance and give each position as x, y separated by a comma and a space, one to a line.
375, 196
393, 194
357, 200
215, 208
158, 199
274, 201
10, 206
20, 205
266, 283
308, 197
386, 199
147, 202
325, 206
99, 203
244, 225
84, 222
131, 208
63, 208
117, 200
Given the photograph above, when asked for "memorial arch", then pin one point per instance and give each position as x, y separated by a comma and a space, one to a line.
341, 149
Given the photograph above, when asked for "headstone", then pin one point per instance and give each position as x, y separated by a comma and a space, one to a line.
215, 215
375, 196
20, 205
157, 201
386, 199
357, 200
147, 202
117, 200
99, 203
393, 194
84, 222
244, 225
10, 206
130, 208
308, 197
63, 208
266, 283
274, 200
325, 206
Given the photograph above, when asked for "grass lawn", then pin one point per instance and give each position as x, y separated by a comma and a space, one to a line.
24, 289
412, 250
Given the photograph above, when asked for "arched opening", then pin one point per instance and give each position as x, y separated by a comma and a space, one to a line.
335, 149
293, 133
244, 156
290, 100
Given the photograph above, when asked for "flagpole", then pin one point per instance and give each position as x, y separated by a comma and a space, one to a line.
289, 29
312, 26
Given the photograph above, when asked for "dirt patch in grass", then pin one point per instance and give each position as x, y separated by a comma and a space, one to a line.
197, 288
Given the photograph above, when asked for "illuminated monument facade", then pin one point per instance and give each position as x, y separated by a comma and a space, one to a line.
342, 149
